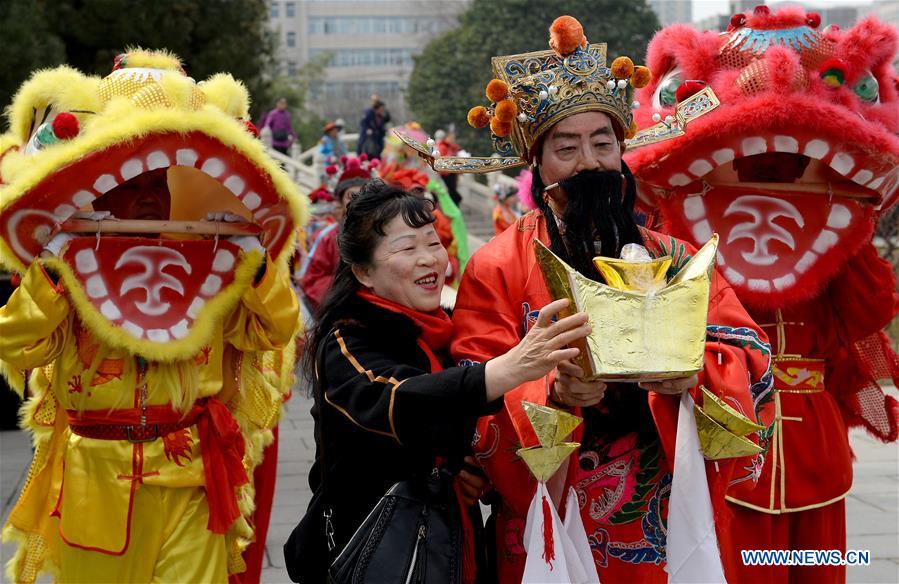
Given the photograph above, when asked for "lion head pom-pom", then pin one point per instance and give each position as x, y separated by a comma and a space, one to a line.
499, 127
622, 68
565, 35
478, 117
497, 90
506, 110
641, 78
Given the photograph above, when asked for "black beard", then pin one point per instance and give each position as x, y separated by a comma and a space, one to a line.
596, 209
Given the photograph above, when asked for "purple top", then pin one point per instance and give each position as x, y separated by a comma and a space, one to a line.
282, 130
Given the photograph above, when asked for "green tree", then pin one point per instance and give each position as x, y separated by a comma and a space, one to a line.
451, 73
210, 36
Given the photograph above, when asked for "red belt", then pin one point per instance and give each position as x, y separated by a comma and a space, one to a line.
221, 444
798, 375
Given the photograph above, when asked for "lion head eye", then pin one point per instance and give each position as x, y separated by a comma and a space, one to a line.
867, 89
666, 92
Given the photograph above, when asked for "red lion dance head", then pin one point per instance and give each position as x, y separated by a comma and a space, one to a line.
795, 164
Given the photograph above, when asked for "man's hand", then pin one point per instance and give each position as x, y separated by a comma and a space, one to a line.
473, 484
570, 391
670, 386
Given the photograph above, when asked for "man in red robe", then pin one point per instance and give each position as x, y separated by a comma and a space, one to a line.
573, 132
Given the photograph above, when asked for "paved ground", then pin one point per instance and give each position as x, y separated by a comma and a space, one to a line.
872, 506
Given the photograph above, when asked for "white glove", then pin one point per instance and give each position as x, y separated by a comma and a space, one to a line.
93, 215
57, 242
225, 216
247, 243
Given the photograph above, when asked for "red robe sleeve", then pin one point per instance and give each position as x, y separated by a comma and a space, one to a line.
322, 265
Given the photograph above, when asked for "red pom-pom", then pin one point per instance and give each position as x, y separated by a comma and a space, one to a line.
363, 157
738, 20
761, 10
565, 35
65, 126
343, 159
375, 163
251, 128
331, 170
813, 19
354, 163
688, 89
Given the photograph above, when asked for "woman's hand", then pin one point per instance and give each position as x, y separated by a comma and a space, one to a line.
473, 483
569, 390
538, 352
670, 386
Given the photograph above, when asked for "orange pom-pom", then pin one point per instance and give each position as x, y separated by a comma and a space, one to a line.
497, 90
641, 77
632, 131
622, 68
565, 35
500, 128
506, 110
478, 117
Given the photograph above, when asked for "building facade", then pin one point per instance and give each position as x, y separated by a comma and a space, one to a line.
671, 11
371, 43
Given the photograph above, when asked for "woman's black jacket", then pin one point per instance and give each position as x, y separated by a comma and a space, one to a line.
385, 416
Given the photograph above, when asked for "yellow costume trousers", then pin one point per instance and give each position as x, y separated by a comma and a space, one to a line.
169, 542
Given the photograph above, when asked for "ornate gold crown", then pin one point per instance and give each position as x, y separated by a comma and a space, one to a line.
534, 91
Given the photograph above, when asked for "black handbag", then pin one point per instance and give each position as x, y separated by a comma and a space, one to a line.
412, 535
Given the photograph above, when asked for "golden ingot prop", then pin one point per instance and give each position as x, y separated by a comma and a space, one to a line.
633, 276
721, 429
636, 335
552, 426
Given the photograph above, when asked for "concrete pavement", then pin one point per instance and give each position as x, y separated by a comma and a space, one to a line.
872, 506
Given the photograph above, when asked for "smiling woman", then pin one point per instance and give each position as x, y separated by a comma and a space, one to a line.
385, 407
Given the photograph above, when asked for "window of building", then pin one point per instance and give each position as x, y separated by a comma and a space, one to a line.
355, 25
273, 9
291, 68
289, 9
291, 39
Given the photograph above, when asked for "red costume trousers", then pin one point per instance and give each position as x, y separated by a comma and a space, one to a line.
822, 528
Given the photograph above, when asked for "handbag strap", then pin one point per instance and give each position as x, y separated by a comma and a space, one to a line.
318, 391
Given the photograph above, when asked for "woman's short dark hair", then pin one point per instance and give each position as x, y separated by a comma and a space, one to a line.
367, 214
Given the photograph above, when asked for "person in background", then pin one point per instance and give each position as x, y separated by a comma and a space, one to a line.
446, 144
323, 257
279, 122
331, 147
507, 209
372, 130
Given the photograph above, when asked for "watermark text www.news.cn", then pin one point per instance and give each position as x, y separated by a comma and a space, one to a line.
806, 557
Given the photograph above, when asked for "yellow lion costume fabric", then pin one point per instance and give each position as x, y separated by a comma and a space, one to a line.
157, 350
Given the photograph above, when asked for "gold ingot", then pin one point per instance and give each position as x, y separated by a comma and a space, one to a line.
543, 462
552, 426
633, 276
718, 410
716, 442
637, 336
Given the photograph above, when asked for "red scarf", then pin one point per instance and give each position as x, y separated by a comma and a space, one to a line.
436, 326
436, 331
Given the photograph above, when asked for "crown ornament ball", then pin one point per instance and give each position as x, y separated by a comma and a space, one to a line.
532, 92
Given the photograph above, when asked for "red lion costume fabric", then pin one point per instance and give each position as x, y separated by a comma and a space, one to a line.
792, 169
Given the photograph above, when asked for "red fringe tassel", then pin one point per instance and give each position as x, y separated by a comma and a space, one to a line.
549, 551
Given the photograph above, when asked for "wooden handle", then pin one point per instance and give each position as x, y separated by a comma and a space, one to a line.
150, 226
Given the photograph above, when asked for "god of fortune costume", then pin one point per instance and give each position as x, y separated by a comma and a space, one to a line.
155, 365
622, 476
793, 169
